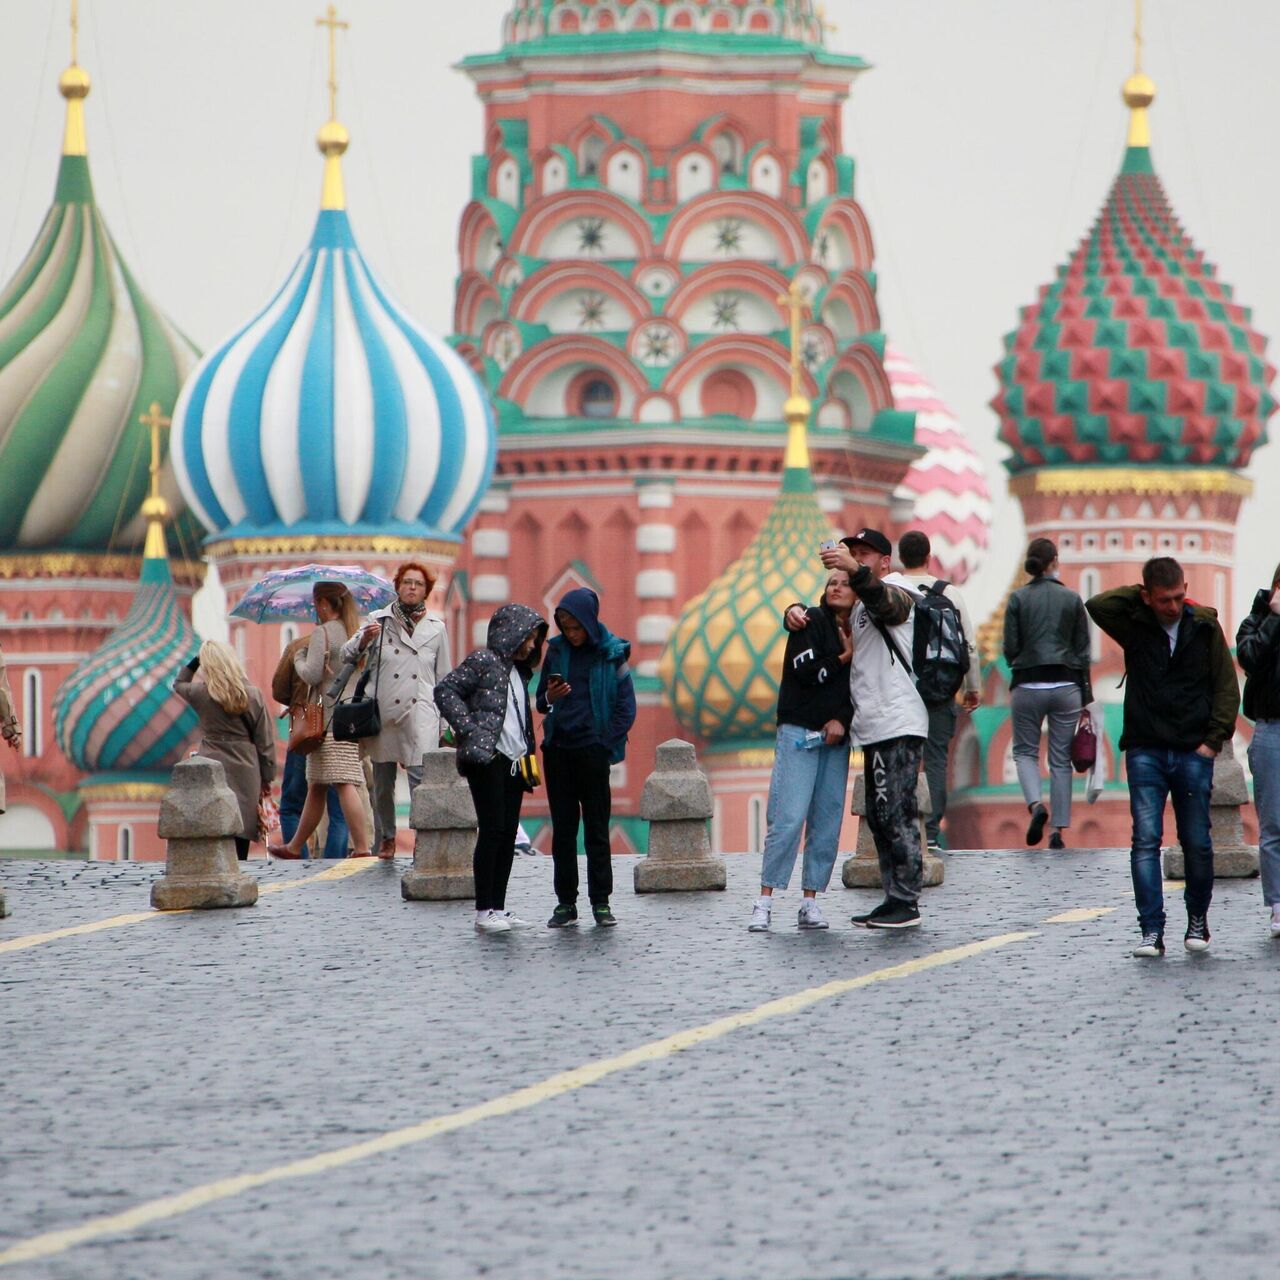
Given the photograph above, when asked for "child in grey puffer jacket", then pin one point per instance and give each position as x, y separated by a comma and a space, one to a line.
486, 701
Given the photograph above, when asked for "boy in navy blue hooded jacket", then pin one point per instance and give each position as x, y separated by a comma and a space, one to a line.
585, 693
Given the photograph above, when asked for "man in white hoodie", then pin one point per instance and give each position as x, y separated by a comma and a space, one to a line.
890, 722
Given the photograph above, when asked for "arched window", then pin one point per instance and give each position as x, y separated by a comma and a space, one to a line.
755, 824
589, 155
1090, 585
124, 844
726, 146
288, 634
598, 397
728, 393
32, 719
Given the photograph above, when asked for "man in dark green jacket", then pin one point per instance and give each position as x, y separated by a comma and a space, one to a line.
1180, 702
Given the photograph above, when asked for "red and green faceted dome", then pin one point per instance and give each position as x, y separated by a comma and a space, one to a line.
1136, 353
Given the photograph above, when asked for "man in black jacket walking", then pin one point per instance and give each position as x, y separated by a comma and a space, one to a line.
1180, 704
1258, 648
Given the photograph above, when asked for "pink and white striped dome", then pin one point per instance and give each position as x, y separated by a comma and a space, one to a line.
947, 488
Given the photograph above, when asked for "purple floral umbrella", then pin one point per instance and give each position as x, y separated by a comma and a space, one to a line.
285, 596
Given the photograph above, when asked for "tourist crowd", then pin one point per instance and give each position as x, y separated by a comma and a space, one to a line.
884, 661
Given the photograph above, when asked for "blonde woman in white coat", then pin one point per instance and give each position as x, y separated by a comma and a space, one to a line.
408, 652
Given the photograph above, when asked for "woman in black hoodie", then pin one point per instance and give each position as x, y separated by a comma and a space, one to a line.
811, 760
486, 701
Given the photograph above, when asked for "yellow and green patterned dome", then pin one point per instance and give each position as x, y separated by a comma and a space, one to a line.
722, 665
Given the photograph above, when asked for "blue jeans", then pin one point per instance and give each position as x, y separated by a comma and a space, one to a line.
1264, 760
1187, 779
293, 795
806, 793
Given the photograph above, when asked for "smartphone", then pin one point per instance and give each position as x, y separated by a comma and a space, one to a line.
556, 679
830, 545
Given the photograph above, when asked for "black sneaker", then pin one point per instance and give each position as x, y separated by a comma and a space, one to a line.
1197, 935
563, 916
1150, 948
1035, 828
864, 920
603, 915
896, 915
1056, 841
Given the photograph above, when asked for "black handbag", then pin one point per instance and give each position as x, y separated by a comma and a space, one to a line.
360, 717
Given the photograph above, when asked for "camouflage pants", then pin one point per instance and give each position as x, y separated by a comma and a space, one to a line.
893, 815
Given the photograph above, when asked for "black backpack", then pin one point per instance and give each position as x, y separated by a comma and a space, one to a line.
940, 652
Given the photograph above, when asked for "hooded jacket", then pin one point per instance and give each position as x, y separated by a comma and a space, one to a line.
601, 705
1258, 648
814, 688
473, 696
1172, 701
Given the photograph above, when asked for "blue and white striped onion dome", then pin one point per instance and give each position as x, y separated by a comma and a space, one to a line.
332, 412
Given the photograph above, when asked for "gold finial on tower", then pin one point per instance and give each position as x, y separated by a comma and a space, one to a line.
333, 138
155, 509
797, 408
73, 84
1139, 89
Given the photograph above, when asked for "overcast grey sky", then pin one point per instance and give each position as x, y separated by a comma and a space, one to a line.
985, 137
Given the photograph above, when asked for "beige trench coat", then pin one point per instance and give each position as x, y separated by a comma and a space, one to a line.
411, 666
249, 763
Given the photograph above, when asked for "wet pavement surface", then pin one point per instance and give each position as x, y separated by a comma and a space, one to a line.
1048, 1108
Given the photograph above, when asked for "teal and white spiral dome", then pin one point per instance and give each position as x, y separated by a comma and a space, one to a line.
331, 412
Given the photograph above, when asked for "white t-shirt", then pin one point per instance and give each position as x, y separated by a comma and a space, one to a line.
511, 742
1171, 630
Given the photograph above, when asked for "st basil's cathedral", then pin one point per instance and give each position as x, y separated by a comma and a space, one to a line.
667, 381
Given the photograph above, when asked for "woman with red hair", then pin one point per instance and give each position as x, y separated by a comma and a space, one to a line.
408, 650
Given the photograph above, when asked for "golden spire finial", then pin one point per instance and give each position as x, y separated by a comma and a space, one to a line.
73, 84
333, 137
796, 410
155, 509
1139, 89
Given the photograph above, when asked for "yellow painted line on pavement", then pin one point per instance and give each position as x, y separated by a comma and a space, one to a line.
1077, 914
55, 1242
346, 868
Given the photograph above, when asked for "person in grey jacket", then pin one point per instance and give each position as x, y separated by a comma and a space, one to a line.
486, 701
1046, 644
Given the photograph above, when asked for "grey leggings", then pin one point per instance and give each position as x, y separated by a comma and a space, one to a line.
1031, 707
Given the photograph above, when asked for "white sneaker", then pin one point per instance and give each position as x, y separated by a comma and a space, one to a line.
492, 922
1275, 921
811, 916
513, 920
761, 915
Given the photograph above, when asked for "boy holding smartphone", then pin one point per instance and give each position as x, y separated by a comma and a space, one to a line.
586, 694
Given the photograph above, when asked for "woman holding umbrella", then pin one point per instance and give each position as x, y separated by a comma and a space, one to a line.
334, 764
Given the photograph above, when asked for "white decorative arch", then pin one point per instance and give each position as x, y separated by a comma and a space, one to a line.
625, 173
695, 175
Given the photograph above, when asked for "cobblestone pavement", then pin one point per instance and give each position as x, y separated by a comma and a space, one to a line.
1050, 1108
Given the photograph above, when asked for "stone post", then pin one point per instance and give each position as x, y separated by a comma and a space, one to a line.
862, 870
1232, 858
199, 817
4, 910
676, 803
444, 817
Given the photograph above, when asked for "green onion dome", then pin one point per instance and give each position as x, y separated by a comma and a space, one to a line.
83, 354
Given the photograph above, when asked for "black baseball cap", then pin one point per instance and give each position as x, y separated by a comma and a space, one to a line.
872, 538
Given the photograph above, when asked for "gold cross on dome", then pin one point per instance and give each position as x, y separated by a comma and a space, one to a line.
331, 21
156, 422
797, 305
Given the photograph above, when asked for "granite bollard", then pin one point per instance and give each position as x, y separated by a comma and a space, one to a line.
676, 803
444, 817
862, 870
4, 909
199, 817
1232, 858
